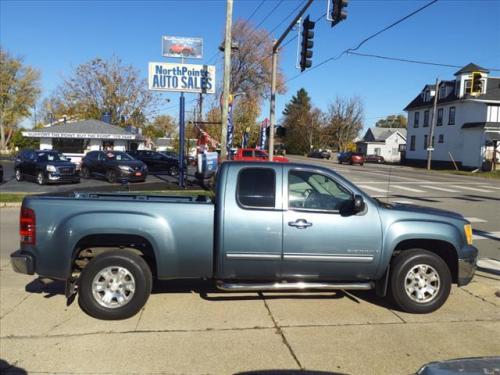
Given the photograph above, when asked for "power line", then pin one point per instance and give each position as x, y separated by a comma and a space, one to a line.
269, 14
255, 10
350, 50
401, 59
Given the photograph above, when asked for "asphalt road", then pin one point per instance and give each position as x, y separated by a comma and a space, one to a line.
478, 199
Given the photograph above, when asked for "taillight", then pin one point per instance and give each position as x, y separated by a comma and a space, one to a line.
27, 226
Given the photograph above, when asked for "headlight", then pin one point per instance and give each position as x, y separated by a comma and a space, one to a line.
124, 168
468, 233
51, 168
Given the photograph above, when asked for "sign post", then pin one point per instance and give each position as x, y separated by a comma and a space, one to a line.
181, 140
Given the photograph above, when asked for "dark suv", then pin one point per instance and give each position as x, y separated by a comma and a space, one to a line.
44, 167
114, 166
157, 161
319, 154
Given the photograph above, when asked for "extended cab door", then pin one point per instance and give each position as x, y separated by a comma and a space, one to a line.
322, 236
252, 223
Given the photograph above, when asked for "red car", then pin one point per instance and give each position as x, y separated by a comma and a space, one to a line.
252, 154
351, 158
181, 49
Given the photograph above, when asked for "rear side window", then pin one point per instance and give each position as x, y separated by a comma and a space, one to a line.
247, 153
256, 187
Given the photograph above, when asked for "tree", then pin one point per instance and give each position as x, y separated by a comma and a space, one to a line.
392, 121
298, 122
100, 86
19, 90
165, 124
344, 120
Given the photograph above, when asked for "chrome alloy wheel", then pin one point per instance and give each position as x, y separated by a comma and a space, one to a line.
113, 287
422, 283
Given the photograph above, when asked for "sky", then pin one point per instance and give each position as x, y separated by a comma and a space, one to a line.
56, 36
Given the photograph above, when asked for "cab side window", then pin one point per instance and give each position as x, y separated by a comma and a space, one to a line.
313, 191
256, 188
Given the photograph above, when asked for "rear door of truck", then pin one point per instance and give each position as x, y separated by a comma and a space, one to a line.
251, 225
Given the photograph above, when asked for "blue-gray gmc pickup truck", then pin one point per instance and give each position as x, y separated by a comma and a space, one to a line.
272, 226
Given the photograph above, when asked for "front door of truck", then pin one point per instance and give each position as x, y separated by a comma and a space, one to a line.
251, 235
323, 238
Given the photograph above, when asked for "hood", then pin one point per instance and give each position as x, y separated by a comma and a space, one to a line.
60, 163
411, 208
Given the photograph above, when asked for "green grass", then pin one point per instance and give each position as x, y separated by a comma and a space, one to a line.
12, 197
492, 174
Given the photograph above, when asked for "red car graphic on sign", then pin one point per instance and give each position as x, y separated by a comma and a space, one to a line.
181, 49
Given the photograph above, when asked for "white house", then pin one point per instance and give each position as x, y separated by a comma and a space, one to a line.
468, 120
75, 139
384, 142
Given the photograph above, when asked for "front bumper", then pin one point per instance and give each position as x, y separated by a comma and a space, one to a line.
467, 265
22, 262
56, 178
132, 176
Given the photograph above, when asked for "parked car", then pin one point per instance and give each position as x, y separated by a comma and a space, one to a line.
157, 161
351, 158
271, 226
114, 166
319, 154
252, 154
374, 159
45, 167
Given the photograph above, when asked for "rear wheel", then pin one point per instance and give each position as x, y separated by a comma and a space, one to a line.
420, 281
174, 171
111, 176
114, 285
40, 178
19, 175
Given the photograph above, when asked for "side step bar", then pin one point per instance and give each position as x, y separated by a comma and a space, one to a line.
301, 285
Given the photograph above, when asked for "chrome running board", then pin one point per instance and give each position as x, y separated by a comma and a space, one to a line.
300, 285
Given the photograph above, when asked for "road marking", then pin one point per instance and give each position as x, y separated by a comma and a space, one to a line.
440, 188
486, 236
471, 188
476, 220
407, 188
490, 187
373, 188
403, 202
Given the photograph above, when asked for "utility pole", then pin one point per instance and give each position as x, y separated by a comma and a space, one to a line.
276, 45
227, 78
430, 145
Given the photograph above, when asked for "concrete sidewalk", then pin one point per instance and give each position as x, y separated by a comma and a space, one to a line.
189, 328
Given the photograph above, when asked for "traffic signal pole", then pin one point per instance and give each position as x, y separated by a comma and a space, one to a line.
276, 45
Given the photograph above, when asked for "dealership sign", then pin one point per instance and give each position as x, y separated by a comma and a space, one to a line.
181, 77
175, 46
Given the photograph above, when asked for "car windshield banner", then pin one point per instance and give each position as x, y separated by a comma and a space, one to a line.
175, 46
181, 77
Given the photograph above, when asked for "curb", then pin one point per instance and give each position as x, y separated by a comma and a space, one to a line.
489, 265
10, 204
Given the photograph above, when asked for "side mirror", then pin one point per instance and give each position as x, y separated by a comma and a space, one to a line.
358, 203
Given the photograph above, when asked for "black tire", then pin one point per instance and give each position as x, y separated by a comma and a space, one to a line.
400, 268
142, 279
85, 173
19, 175
40, 178
111, 176
174, 171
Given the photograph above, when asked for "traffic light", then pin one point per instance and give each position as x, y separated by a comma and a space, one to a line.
477, 84
338, 13
307, 44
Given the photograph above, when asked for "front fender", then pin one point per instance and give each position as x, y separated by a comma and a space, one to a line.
400, 231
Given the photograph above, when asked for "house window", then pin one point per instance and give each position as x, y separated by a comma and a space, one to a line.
426, 118
412, 143
440, 117
442, 91
426, 137
441, 138
467, 86
451, 116
416, 119
377, 151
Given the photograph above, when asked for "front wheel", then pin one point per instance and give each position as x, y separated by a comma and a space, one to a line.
420, 281
19, 175
114, 285
85, 172
174, 171
111, 176
40, 178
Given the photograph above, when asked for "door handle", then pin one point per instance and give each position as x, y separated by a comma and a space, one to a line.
300, 223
